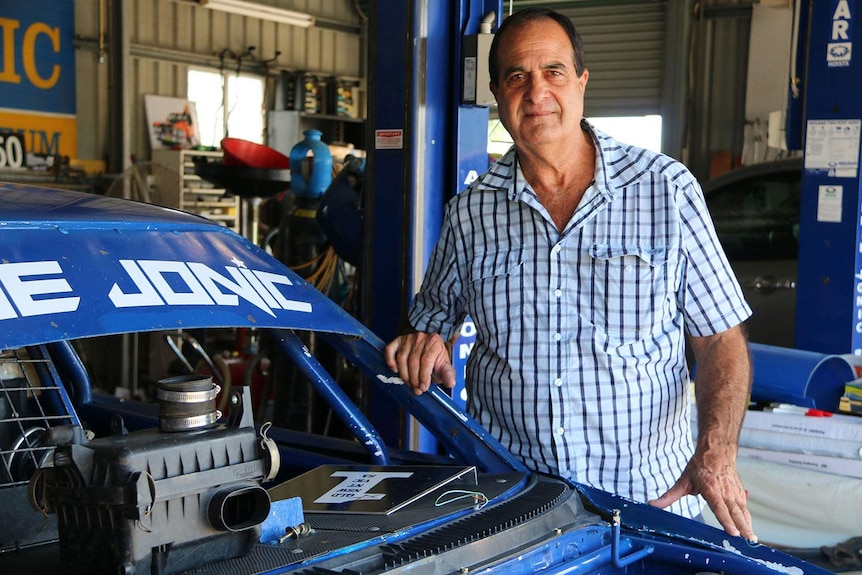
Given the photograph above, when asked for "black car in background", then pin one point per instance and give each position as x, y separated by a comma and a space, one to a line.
756, 214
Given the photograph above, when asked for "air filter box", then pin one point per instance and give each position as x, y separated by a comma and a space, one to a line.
154, 502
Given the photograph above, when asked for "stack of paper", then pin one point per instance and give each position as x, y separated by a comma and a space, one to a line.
801, 437
851, 401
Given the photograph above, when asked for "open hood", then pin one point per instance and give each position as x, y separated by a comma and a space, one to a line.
76, 265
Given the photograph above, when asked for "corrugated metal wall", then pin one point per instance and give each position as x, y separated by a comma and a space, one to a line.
168, 37
719, 70
91, 77
694, 78
625, 45
624, 48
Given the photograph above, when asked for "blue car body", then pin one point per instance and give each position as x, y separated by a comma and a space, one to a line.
76, 266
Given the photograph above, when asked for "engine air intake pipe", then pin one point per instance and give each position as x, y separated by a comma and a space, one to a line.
238, 509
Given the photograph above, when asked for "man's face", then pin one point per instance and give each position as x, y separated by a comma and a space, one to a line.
540, 97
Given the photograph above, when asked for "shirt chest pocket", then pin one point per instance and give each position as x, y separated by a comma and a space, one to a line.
496, 280
630, 292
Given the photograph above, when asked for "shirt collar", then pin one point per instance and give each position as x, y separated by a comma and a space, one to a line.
502, 176
617, 166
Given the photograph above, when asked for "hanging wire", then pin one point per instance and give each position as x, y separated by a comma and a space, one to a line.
331, 272
322, 277
480, 500
361, 10
222, 107
247, 55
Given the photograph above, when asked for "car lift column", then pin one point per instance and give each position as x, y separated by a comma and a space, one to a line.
829, 290
423, 147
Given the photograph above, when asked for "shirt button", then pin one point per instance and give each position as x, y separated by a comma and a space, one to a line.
560, 431
558, 382
557, 249
558, 336
565, 474
628, 268
558, 293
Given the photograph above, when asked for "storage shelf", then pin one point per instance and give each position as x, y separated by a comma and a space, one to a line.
204, 191
285, 129
312, 116
194, 204
197, 195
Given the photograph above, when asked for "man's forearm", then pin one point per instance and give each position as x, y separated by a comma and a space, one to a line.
722, 388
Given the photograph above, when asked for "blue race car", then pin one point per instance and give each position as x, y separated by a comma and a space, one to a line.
196, 481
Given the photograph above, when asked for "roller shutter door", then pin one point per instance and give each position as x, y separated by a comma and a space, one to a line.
624, 50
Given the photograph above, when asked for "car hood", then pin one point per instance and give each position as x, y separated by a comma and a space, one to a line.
78, 265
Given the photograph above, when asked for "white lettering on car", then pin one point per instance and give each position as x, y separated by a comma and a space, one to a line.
270, 280
211, 280
192, 292
147, 295
258, 285
21, 291
160, 282
34, 288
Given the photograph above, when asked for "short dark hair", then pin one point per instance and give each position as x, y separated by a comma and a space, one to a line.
525, 16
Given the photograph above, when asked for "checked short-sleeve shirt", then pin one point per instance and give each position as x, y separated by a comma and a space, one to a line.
579, 363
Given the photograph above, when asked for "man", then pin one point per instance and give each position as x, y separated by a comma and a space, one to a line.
582, 263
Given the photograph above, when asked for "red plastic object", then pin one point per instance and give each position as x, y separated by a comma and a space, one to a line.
239, 152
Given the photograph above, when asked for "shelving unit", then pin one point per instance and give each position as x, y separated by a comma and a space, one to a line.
197, 195
285, 129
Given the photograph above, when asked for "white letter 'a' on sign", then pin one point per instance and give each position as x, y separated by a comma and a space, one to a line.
842, 10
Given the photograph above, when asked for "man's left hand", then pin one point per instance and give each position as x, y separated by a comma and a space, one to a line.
722, 385
714, 476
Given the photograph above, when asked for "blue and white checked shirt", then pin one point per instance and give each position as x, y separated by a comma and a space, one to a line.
579, 362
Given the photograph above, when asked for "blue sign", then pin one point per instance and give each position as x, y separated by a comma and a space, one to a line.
460, 352
37, 56
839, 49
830, 229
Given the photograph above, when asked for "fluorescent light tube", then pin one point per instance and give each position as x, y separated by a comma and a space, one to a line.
261, 11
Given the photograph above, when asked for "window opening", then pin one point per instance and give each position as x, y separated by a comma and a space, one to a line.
227, 104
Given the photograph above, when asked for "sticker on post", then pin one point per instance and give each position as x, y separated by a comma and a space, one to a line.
833, 146
829, 203
388, 139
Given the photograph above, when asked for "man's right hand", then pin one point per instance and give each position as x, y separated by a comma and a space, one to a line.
419, 359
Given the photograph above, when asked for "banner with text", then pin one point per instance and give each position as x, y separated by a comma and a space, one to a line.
37, 75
